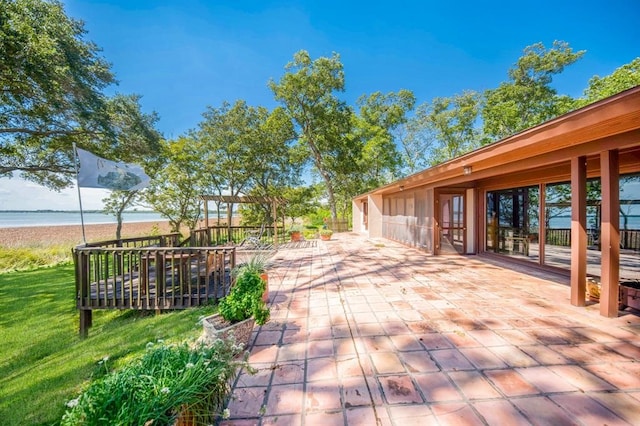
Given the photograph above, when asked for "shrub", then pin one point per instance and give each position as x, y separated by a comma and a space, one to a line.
245, 299
326, 232
156, 388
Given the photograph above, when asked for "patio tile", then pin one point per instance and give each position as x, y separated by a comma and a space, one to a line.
580, 378
500, 412
482, 358
353, 339
353, 366
450, 359
588, 410
247, 402
263, 354
434, 341
284, 399
292, 352
387, 363
323, 396
399, 390
622, 405
437, 387
323, 418
542, 411
288, 373
418, 362
358, 392
511, 383
365, 416
513, 356
545, 380
487, 337
260, 378
320, 348
544, 355
473, 385
321, 369
406, 342
455, 413
412, 415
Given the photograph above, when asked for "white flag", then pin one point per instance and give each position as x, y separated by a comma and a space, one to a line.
96, 172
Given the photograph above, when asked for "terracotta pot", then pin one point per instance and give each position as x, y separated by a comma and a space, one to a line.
265, 296
325, 237
296, 236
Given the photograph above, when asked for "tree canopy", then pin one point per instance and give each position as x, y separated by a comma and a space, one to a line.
527, 98
51, 96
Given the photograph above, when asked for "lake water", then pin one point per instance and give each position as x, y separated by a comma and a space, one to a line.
15, 219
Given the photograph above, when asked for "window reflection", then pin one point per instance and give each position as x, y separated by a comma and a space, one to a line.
512, 225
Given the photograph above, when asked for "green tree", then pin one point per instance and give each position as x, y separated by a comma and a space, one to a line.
623, 78
450, 126
234, 142
116, 203
373, 131
176, 189
528, 99
52, 81
307, 92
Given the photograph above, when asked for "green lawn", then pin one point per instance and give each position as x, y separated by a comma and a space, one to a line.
44, 363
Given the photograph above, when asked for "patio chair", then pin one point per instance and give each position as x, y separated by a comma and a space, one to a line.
254, 239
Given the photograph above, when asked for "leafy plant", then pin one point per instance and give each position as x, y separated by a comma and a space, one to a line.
326, 232
245, 300
166, 381
256, 264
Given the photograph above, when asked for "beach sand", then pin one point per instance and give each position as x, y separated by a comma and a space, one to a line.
71, 235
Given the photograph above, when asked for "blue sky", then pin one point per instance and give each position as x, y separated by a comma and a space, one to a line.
182, 56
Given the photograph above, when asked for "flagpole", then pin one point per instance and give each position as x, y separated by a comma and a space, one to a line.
75, 163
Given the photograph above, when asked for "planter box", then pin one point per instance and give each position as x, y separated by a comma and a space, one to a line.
215, 327
630, 294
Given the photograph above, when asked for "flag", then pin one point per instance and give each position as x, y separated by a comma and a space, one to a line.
96, 172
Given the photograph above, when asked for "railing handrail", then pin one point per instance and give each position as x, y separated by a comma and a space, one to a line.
131, 240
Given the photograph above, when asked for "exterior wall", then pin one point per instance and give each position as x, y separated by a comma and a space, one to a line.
375, 216
471, 215
408, 218
357, 216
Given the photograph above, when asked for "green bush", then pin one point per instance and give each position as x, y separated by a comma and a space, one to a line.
245, 299
326, 232
156, 388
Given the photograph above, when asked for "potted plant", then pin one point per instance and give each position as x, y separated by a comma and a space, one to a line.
239, 311
257, 264
295, 233
325, 234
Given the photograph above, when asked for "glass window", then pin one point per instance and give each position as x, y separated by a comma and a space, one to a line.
513, 222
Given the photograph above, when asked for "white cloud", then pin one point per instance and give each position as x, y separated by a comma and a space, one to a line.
19, 194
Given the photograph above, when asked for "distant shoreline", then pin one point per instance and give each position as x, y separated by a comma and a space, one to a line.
71, 235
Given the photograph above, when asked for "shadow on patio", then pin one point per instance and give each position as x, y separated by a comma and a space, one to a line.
369, 332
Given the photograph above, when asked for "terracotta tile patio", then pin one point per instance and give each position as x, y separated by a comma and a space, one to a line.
367, 332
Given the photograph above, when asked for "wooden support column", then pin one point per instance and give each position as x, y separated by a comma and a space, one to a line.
206, 214
610, 276
274, 212
86, 321
578, 230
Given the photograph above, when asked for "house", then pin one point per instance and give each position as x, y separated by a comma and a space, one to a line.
564, 196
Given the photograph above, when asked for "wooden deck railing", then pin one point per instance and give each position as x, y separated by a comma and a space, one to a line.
629, 238
221, 235
133, 274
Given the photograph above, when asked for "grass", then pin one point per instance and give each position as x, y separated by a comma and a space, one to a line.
29, 257
44, 363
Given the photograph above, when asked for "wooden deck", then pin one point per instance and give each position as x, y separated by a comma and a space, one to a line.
143, 274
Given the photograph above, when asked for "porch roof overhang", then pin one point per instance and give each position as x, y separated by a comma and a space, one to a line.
611, 123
